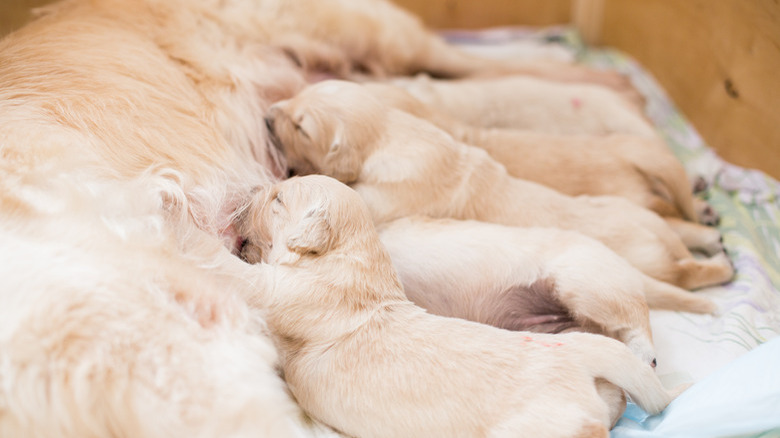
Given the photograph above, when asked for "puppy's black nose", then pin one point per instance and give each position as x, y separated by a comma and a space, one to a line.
654, 363
269, 123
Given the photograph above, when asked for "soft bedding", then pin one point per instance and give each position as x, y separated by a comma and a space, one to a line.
730, 358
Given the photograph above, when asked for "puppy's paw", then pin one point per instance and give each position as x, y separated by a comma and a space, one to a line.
641, 346
723, 261
705, 213
699, 185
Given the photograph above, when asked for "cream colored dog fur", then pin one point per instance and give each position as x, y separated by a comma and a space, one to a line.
363, 359
534, 279
532, 103
402, 165
111, 325
639, 168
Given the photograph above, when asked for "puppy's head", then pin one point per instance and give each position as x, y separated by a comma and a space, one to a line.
301, 216
328, 128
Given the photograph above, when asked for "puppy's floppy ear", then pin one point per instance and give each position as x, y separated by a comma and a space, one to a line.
343, 160
337, 144
313, 233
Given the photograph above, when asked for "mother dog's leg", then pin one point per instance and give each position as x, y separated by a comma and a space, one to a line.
377, 36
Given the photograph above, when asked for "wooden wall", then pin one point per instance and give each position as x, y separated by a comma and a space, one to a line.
719, 60
471, 14
14, 13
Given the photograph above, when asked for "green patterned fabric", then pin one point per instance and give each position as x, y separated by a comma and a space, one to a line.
748, 203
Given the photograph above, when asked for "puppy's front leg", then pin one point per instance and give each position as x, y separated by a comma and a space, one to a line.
254, 282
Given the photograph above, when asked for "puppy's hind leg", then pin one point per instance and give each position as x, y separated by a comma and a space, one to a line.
608, 296
664, 296
705, 213
697, 237
694, 274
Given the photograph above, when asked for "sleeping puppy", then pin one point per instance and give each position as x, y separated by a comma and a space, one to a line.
402, 165
641, 169
531, 103
110, 327
363, 359
535, 279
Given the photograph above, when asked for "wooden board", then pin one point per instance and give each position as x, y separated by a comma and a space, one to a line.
718, 60
14, 13
471, 14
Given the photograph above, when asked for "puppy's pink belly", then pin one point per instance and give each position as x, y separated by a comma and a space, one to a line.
543, 319
553, 324
533, 307
538, 323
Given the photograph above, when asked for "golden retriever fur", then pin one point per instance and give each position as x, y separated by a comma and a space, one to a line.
132, 135
532, 103
121, 318
185, 84
115, 323
639, 168
535, 279
363, 359
402, 165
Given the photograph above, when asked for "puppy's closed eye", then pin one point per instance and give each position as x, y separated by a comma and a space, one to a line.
301, 131
305, 126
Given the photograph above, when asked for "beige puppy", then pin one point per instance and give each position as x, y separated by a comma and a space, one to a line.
110, 328
360, 357
532, 103
535, 279
641, 169
402, 165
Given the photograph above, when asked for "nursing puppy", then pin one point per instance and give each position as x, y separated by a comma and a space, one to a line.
109, 327
531, 103
402, 165
535, 279
641, 169
360, 357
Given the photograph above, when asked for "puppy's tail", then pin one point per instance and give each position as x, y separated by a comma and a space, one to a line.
622, 368
664, 296
666, 178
